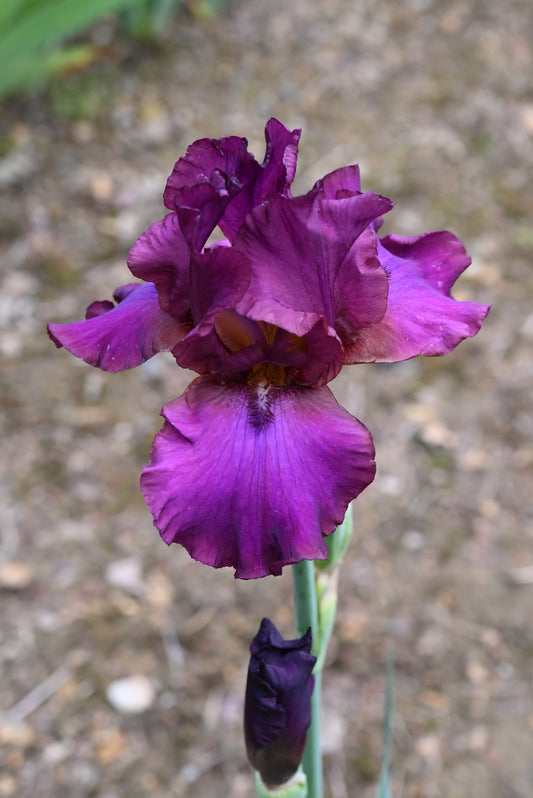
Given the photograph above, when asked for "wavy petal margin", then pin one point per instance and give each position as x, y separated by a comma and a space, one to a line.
161, 256
422, 318
254, 478
229, 157
304, 264
122, 336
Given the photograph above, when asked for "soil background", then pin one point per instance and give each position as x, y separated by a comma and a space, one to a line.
435, 101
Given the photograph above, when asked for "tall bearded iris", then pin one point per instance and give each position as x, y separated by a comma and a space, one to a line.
257, 462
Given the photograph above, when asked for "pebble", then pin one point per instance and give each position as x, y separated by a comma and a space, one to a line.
15, 575
126, 574
522, 575
131, 695
428, 747
17, 734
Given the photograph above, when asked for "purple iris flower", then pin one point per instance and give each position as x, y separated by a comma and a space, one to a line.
257, 461
277, 707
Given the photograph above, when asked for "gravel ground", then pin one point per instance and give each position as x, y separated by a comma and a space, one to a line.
435, 101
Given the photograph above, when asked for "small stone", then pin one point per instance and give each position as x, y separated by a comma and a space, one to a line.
476, 672
55, 752
522, 575
126, 574
478, 738
101, 186
110, 747
8, 786
15, 575
428, 747
18, 734
132, 695
412, 540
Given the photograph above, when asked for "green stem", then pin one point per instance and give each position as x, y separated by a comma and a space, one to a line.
305, 600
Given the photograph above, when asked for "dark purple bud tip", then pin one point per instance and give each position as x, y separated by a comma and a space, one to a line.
277, 708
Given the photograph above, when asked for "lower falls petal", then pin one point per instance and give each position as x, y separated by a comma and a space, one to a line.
123, 336
253, 477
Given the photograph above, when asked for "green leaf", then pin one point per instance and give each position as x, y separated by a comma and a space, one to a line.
35, 27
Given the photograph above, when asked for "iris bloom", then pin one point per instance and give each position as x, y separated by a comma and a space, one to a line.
256, 461
277, 707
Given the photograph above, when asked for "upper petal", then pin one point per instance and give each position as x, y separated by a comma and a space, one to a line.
200, 207
421, 317
343, 182
279, 165
250, 181
162, 256
304, 265
254, 477
218, 280
228, 155
125, 335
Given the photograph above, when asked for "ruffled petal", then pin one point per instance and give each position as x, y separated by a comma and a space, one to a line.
254, 477
229, 157
421, 317
120, 337
161, 256
218, 280
304, 264
343, 182
279, 165
200, 207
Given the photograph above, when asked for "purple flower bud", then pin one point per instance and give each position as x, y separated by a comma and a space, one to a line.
277, 709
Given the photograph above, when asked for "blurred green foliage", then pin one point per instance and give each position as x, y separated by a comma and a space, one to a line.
33, 33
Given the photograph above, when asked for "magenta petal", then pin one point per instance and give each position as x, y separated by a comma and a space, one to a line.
305, 267
421, 318
200, 207
161, 256
229, 157
279, 166
325, 357
254, 477
124, 336
205, 160
343, 182
218, 280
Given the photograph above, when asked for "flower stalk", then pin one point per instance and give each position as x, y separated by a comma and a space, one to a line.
315, 598
306, 607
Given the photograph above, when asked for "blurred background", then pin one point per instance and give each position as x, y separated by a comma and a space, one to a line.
123, 662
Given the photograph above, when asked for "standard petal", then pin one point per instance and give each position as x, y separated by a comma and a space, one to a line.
421, 317
161, 256
218, 280
200, 207
248, 181
254, 477
343, 182
304, 265
279, 165
207, 158
123, 336
228, 155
